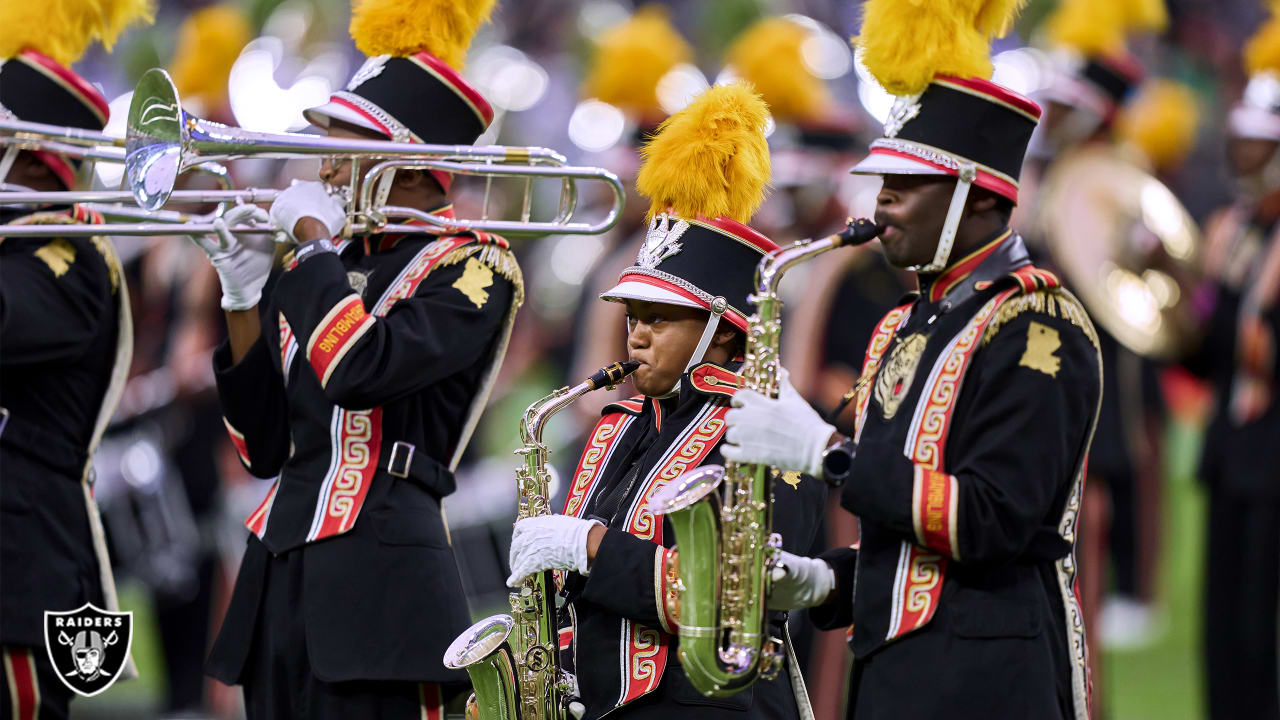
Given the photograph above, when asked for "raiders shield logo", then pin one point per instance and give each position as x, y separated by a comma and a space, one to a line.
88, 647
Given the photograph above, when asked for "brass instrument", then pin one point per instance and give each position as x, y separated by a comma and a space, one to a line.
1128, 248
164, 141
724, 538
513, 660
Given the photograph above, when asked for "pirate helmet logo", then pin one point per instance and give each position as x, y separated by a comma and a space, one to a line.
88, 647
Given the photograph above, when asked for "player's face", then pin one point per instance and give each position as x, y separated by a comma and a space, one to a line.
87, 661
1248, 156
913, 209
661, 338
338, 173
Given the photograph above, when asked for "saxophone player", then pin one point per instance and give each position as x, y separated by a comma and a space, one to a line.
356, 377
981, 397
685, 296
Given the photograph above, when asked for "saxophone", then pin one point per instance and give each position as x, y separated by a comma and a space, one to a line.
513, 660
726, 546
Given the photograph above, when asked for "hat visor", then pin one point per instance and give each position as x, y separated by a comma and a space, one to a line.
635, 290
1254, 123
320, 116
886, 164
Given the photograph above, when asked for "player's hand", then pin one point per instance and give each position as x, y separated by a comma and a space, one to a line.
549, 542
303, 200
800, 582
785, 432
242, 263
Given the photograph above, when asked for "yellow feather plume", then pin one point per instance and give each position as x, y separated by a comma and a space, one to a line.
63, 29
1144, 15
905, 43
209, 42
632, 57
1089, 27
768, 56
711, 158
401, 28
1161, 122
1262, 52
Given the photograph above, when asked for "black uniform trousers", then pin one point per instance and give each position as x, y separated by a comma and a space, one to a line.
1242, 581
278, 679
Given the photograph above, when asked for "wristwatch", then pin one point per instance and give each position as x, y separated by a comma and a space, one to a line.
837, 460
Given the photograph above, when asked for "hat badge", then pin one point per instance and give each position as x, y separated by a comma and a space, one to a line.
660, 242
371, 69
905, 108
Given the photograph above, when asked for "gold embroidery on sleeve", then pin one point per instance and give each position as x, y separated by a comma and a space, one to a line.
1042, 342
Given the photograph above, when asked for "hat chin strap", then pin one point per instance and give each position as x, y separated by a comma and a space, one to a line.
948, 239
718, 307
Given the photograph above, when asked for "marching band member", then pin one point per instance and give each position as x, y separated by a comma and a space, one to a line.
65, 334
357, 378
974, 424
686, 299
1240, 454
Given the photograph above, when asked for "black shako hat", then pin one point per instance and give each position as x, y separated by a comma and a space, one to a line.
698, 263
36, 88
955, 124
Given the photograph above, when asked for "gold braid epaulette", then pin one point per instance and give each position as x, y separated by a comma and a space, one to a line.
104, 246
1056, 303
500, 259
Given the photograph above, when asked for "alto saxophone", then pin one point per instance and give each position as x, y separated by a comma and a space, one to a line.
725, 539
513, 660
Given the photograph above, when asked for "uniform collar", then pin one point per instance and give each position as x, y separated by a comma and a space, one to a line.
978, 270
702, 381
386, 241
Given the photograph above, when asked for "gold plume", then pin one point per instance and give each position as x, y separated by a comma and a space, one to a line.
1262, 52
401, 28
209, 41
1161, 122
632, 57
769, 56
711, 158
906, 43
63, 29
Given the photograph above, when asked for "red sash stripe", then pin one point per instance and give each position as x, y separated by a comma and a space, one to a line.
430, 701
594, 458
357, 440
237, 440
661, 588
341, 327
257, 521
24, 688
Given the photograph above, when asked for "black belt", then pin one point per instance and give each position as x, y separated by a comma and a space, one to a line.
405, 462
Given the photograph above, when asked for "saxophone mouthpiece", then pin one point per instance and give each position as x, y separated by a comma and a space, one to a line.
859, 231
611, 375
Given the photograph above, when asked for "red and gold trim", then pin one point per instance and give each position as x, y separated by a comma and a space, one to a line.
987, 177
352, 102
876, 347
737, 318
382, 243
451, 78
335, 335
646, 659
954, 275
933, 500
566, 638
356, 442
76, 86
237, 441
594, 459
22, 681
257, 520
406, 284
715, 380
736, 230
993, 93
657, 414
698, 440
1031, 278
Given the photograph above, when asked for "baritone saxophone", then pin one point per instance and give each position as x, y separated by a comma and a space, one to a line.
513, 660
722, 515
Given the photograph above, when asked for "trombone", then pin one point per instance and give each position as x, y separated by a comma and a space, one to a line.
164, 141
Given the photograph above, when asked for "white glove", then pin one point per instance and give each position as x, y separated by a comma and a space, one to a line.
576, 708
549, 542
243, 263
787, 433
800, 582
308, 200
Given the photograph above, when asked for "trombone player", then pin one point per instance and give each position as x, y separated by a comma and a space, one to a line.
66, 340
356, 376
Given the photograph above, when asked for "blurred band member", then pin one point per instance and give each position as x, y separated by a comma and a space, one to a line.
357, 377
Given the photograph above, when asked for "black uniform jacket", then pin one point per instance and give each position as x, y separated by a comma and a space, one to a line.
1240, 456
621, 601
59, 300
961, 594
358, 404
